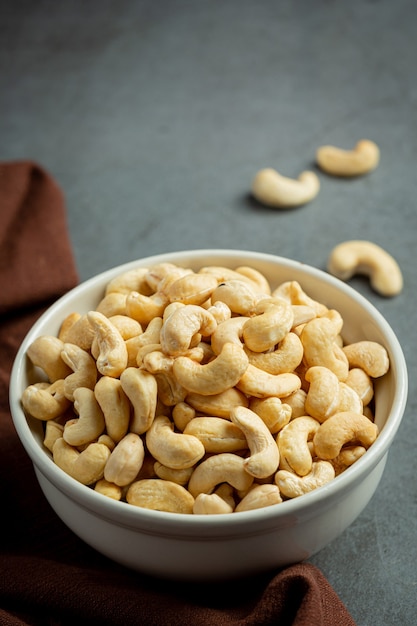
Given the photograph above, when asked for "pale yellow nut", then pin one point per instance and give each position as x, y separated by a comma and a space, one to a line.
108, 489
286, 357
83, 366
224, 274
339, 162
341, 429
179, 476
112, 358
220, 468
90, 423
160, 495
229, 331
53, 431
319, 341
210, 504
264, 454
272, 321
45, 401
115, 406
170, 392
293, 446
126, 326
261, 384
367, 258
218, 404
273, 412
131, 280
217, 434
164, 274
214, 377
257, 278
175, 450
302, 314
182, 413
362, 383
349, 400
347, 457
258, 497
192, 288
125, 460
179, 329
293, 486
323, 395
370, 356
296, 401
240, 296
87, 466
77, 329
112, 304
295, 294
274, 190
220, 311
45, 352
143, 308
142, 390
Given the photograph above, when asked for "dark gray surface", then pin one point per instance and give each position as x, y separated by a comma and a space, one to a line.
154, 118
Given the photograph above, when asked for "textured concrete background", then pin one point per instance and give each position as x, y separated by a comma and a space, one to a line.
154, 118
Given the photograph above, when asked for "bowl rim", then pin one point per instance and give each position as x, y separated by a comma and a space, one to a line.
160, 521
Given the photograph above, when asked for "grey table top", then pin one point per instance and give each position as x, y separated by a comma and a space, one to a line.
155, 116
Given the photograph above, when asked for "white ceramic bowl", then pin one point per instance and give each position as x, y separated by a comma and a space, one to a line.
223, 546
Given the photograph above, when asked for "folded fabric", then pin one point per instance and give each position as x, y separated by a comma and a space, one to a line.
47, 574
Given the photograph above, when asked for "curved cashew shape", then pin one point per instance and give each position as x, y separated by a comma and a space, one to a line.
370, 356
259, 497
264, 454
144, 308
295, 294
285, 358
110, 490
132, 280
142, 390
261, 384
161, 366
45, 352
273, 412
179, 476
292, 486
273, 319
160, 495
340, 429
296, 401
277, 191
77, 329
192, 288
338, 162
90, 424
83, 366
159, 277
115, 406
258, 279
214, 377
112, 358
217, 434
127, 326
229, 331
349, 400
178, 330
87, 466
239, 295
175, 450
347, 457
53, 431
293, 446
112, 304
318, 338
362, 383
364, 257
211, 504
45, 401
225, 467
323, 395
125, 460
218, 404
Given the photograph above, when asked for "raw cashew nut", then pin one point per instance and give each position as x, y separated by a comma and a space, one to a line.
292, 486
229, 331
180, 327
340, 429
258, 497
277, 191
214, 377
90, 424
83, 366
362, 383
285, 358
319, 340
293, 446
45, 352
240, 296
87, 466
225, 467
257, 278
338, 162
192, 288
323, 393
369, 356
114, 303
112, 358
264, 454
77, 329
179, 476
217, 434
295, 294
367, 258
175, 450
160, 495
142, 390
272, 321
45, 401
261, 384
125, 460
144, 308
115, 406
210, 504
218, 404
53, 431
273, 412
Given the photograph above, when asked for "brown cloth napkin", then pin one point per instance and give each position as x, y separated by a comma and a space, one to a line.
47, 575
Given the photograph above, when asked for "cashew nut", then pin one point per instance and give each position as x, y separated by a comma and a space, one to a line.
296, 402
87, 466
229, 331
176, 450
144, 308
225, 467
112, 358
45, 401
295, 294
114, 303
131, 280
323, 394
45, 352
293, 486
367, 258
239, 295
347, 457
370, 356
277, 191
213, 377
217, 434
273, 412
318, 338
293, 446
179, 476
192, 288
261, 384
259, 496
115, 406
273, 319
108, 489
340, 429
264, 454
177, 331
125, 460
90, 423
160, 495
53, 431
218, 404
210, 504
338, 162
77, 329
285, 358
362, 383
83, 366
141, 388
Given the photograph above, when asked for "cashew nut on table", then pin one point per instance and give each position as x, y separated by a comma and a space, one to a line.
204, 392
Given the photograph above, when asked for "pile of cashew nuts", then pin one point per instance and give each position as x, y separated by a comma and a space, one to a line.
204, 392
274, 190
